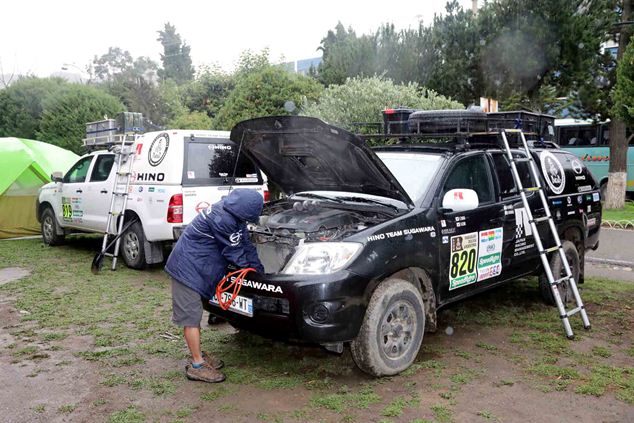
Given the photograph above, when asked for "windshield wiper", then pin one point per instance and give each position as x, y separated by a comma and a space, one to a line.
369, 200
317, 196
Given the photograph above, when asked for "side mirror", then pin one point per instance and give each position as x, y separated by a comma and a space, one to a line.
57, 176
460, 200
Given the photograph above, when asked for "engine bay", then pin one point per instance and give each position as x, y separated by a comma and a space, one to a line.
285, 224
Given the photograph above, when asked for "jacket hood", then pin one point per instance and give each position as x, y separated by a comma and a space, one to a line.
306, 154
245, 204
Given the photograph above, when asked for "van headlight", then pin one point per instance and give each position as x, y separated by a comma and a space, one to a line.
321, 258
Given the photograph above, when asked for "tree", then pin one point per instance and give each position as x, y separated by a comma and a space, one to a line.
265, 92
21, 105
208, 91
346, 55
177, 62
66, 114
617, 173
191, 120
363, 99
131, 80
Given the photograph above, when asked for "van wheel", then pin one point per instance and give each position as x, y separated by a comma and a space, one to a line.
392, 329
49, 228
603, 191
132, 246
559, 271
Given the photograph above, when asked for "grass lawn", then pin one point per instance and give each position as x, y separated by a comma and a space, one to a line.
626, 213
115, 327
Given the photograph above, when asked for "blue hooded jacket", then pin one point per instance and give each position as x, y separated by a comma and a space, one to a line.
216, 237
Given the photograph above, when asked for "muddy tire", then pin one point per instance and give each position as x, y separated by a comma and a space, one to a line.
392, 329
50, 227
132, 247
559, 271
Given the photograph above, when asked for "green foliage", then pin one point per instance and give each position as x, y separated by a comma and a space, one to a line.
176, 58
65, 114
511, 50
21, 105
264, 92
623, 94
362, 100
191, 120
131, 80
208, 91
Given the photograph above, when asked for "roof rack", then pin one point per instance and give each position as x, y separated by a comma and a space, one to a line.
108, 133
457, 140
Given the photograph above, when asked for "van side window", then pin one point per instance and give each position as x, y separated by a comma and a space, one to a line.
79, 171
102, 167
506, 182
471, 173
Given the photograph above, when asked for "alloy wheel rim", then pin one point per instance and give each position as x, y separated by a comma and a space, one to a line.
131, 245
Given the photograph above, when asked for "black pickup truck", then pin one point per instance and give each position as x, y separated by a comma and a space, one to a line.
368, 244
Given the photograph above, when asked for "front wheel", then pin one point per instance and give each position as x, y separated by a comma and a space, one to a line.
132, 246
559, 271
50, 228
392, 329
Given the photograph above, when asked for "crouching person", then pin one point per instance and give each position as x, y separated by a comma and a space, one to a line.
215, 238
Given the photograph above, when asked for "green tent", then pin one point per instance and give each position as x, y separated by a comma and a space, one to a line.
26, 165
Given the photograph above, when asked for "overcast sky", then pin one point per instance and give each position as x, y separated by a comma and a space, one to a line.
39, 36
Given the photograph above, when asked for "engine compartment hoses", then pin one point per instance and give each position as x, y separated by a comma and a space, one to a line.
232, 281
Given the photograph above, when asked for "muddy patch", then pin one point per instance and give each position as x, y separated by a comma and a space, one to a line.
10, 274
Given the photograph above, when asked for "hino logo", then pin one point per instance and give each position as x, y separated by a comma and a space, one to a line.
259, 285
150, 177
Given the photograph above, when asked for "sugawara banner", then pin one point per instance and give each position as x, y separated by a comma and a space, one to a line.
26, 165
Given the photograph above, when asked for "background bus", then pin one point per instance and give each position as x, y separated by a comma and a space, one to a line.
589, 141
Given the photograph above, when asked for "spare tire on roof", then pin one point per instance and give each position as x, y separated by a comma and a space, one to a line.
447, 121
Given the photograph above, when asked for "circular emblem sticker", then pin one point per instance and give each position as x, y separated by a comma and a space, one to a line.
158, 149
553, 172
576, 167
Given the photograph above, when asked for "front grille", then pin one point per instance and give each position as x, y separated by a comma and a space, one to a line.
271, 304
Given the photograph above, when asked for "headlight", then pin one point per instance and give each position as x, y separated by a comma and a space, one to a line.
321, 258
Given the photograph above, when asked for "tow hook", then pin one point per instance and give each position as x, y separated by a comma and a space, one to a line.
336, 347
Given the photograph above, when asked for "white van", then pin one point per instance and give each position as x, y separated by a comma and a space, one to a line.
176, 173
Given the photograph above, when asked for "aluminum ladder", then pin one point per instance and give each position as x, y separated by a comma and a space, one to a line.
124, 158
544, 252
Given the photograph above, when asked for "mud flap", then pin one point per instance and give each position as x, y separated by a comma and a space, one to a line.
153, 252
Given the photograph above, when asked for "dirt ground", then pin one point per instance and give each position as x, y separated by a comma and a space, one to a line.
77, 347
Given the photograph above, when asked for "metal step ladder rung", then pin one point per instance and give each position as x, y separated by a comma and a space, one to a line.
574, 311
550, 250
541, 219
558, 248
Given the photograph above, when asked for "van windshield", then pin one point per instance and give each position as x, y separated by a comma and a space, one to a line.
212, 161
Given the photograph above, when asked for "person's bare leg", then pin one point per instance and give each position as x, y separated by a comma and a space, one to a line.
192, 337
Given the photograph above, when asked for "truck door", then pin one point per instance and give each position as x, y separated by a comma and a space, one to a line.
70, 210
519, 252
98, 192
471, 241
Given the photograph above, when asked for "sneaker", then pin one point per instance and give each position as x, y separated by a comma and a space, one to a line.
214, 362
205, 373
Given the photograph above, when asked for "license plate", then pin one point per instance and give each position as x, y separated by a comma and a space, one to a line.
241, 305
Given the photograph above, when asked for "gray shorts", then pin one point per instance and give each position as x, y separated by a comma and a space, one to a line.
187, 306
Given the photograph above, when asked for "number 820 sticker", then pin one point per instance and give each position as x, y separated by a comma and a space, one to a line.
462, 265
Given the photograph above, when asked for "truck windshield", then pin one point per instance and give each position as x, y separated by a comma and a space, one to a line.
414, 171
213, 161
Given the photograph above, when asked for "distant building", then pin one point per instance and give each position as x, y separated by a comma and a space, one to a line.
302, 66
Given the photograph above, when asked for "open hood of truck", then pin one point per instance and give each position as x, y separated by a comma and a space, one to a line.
306, 154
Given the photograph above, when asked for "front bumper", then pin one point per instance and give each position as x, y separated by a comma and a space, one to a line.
319, 308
